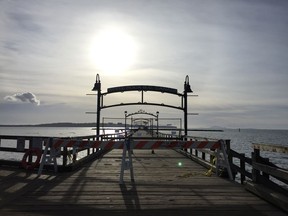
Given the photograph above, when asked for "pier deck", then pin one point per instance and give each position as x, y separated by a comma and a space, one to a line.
161, 188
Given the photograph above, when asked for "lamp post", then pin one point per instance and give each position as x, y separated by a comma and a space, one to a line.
125, 124
97, 87
187, 89
157, 119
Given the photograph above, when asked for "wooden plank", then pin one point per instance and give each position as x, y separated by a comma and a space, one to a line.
242, 171
241, 157
274, 171
277, 199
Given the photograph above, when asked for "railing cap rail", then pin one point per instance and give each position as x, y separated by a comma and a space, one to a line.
270, 147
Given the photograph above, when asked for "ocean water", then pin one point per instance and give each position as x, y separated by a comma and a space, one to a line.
38, 131
241, 141
47, 131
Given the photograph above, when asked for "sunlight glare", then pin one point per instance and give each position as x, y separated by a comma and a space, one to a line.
114, 51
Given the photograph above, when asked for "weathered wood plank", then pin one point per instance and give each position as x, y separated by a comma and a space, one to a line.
274, 197
275, 171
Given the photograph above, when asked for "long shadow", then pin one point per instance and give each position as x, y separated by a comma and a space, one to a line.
18, 183
30, 182
69, 205
130, 196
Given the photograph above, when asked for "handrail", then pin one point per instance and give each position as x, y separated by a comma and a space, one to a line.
21, 144
270, 147
255, 168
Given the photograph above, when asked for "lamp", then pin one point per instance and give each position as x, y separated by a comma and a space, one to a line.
97, 85
187, 87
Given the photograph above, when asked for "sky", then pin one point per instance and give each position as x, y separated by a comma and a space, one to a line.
235, 53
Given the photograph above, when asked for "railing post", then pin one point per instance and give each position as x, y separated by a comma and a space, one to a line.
93, 149
30, 147
65, 154
255, 159
203, 156
242, 167
74, 157
266, 161
228, 147
212, 157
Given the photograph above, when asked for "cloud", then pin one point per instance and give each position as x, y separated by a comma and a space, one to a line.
23, 97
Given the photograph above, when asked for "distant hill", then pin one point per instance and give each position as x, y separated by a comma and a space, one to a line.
58, 124
67, 124
70, 124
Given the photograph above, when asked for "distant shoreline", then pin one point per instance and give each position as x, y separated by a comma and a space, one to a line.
113, 125
70, 124
121, 125
61, 124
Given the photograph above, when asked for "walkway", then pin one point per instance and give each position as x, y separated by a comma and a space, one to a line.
161, 187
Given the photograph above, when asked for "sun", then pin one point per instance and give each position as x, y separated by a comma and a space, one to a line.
113, 50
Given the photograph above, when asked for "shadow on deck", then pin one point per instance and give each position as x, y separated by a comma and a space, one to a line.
161, 188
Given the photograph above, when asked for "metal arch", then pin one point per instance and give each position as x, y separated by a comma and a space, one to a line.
152, 104
143, 88
141, 112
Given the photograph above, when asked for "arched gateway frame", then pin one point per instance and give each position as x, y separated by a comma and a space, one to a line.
142, 89
142, 112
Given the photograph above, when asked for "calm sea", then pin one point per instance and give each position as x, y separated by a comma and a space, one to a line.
240, 140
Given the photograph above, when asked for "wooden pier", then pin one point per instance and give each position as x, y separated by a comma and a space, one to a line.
166, 174
162, 186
